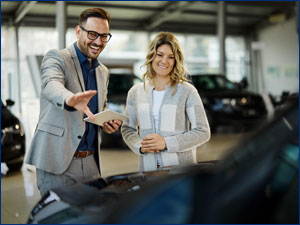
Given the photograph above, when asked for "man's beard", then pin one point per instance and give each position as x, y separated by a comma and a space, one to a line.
85, 50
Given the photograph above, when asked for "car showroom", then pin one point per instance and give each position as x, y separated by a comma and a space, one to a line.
241, 58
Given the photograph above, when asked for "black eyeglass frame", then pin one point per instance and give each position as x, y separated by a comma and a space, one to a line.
101, 35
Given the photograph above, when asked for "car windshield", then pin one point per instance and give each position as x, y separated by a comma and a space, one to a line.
213, 83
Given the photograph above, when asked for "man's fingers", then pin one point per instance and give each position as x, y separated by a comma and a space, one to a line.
107, 128
111, 126
114, 125
118, 122
88, 112
80, 98
90, 93
85, 96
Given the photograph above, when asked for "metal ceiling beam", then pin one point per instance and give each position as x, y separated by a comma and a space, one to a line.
214, 13
150, 8
104, 5
167, 13
22, 10
107, 5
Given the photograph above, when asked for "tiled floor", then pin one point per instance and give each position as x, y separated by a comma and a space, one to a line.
19, 192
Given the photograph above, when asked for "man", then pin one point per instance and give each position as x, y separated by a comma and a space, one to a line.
74, 85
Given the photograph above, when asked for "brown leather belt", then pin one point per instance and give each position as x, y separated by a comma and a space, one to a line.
83, 154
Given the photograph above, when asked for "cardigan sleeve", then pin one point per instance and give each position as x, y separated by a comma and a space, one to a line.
199, 132
129, 127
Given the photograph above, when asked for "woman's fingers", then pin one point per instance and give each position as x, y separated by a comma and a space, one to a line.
147, 150
148, 144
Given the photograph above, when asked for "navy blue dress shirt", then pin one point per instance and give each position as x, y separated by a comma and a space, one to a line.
89, 138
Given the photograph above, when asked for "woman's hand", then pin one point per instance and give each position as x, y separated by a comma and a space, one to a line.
153, 143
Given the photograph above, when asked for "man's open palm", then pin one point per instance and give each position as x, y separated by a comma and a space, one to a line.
80, 100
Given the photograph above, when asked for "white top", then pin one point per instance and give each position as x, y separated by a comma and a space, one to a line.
157, 97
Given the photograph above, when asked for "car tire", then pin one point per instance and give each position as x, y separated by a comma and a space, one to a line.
15, 166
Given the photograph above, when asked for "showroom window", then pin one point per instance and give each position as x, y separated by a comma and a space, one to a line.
201, 53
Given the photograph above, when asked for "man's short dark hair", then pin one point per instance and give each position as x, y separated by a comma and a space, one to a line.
93, 12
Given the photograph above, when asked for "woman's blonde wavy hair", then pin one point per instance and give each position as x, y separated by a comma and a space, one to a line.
178, 72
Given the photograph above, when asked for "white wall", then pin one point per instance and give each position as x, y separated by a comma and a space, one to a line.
280, 57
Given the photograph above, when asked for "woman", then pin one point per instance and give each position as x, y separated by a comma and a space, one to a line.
167, 120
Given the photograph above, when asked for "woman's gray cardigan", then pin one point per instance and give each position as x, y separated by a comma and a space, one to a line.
182, 122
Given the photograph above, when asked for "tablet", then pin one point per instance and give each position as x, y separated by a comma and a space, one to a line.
105, 116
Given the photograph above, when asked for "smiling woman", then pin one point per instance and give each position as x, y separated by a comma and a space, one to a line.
167, 121
164, 61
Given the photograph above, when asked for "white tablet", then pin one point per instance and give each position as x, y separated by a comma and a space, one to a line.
106, 116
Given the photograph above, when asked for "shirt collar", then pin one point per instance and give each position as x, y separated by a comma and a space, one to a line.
83, 60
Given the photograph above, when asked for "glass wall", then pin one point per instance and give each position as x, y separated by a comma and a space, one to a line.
237, 58
201, 53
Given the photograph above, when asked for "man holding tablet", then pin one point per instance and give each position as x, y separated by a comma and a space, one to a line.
65, 149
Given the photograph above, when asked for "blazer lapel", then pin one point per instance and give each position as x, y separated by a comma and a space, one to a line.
77, 66
101, 86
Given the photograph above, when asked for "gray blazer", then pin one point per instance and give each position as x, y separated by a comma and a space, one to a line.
58, 131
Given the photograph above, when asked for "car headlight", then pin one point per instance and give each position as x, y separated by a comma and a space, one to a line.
243, 101
226, 101
14, 129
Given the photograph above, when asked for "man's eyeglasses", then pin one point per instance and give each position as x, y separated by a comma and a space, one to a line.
93, 35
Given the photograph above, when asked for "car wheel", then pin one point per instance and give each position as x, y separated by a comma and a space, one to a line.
15, 166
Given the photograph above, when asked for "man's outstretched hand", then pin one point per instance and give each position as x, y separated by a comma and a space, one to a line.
80, 100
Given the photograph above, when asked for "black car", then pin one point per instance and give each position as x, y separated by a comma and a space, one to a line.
257, 183
226, 103
120, 82
12, 138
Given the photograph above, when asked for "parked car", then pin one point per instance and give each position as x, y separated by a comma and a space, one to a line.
120, 82
257, 183
12, 138
226, 103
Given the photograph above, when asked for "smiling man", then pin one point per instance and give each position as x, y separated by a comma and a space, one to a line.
65, 149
